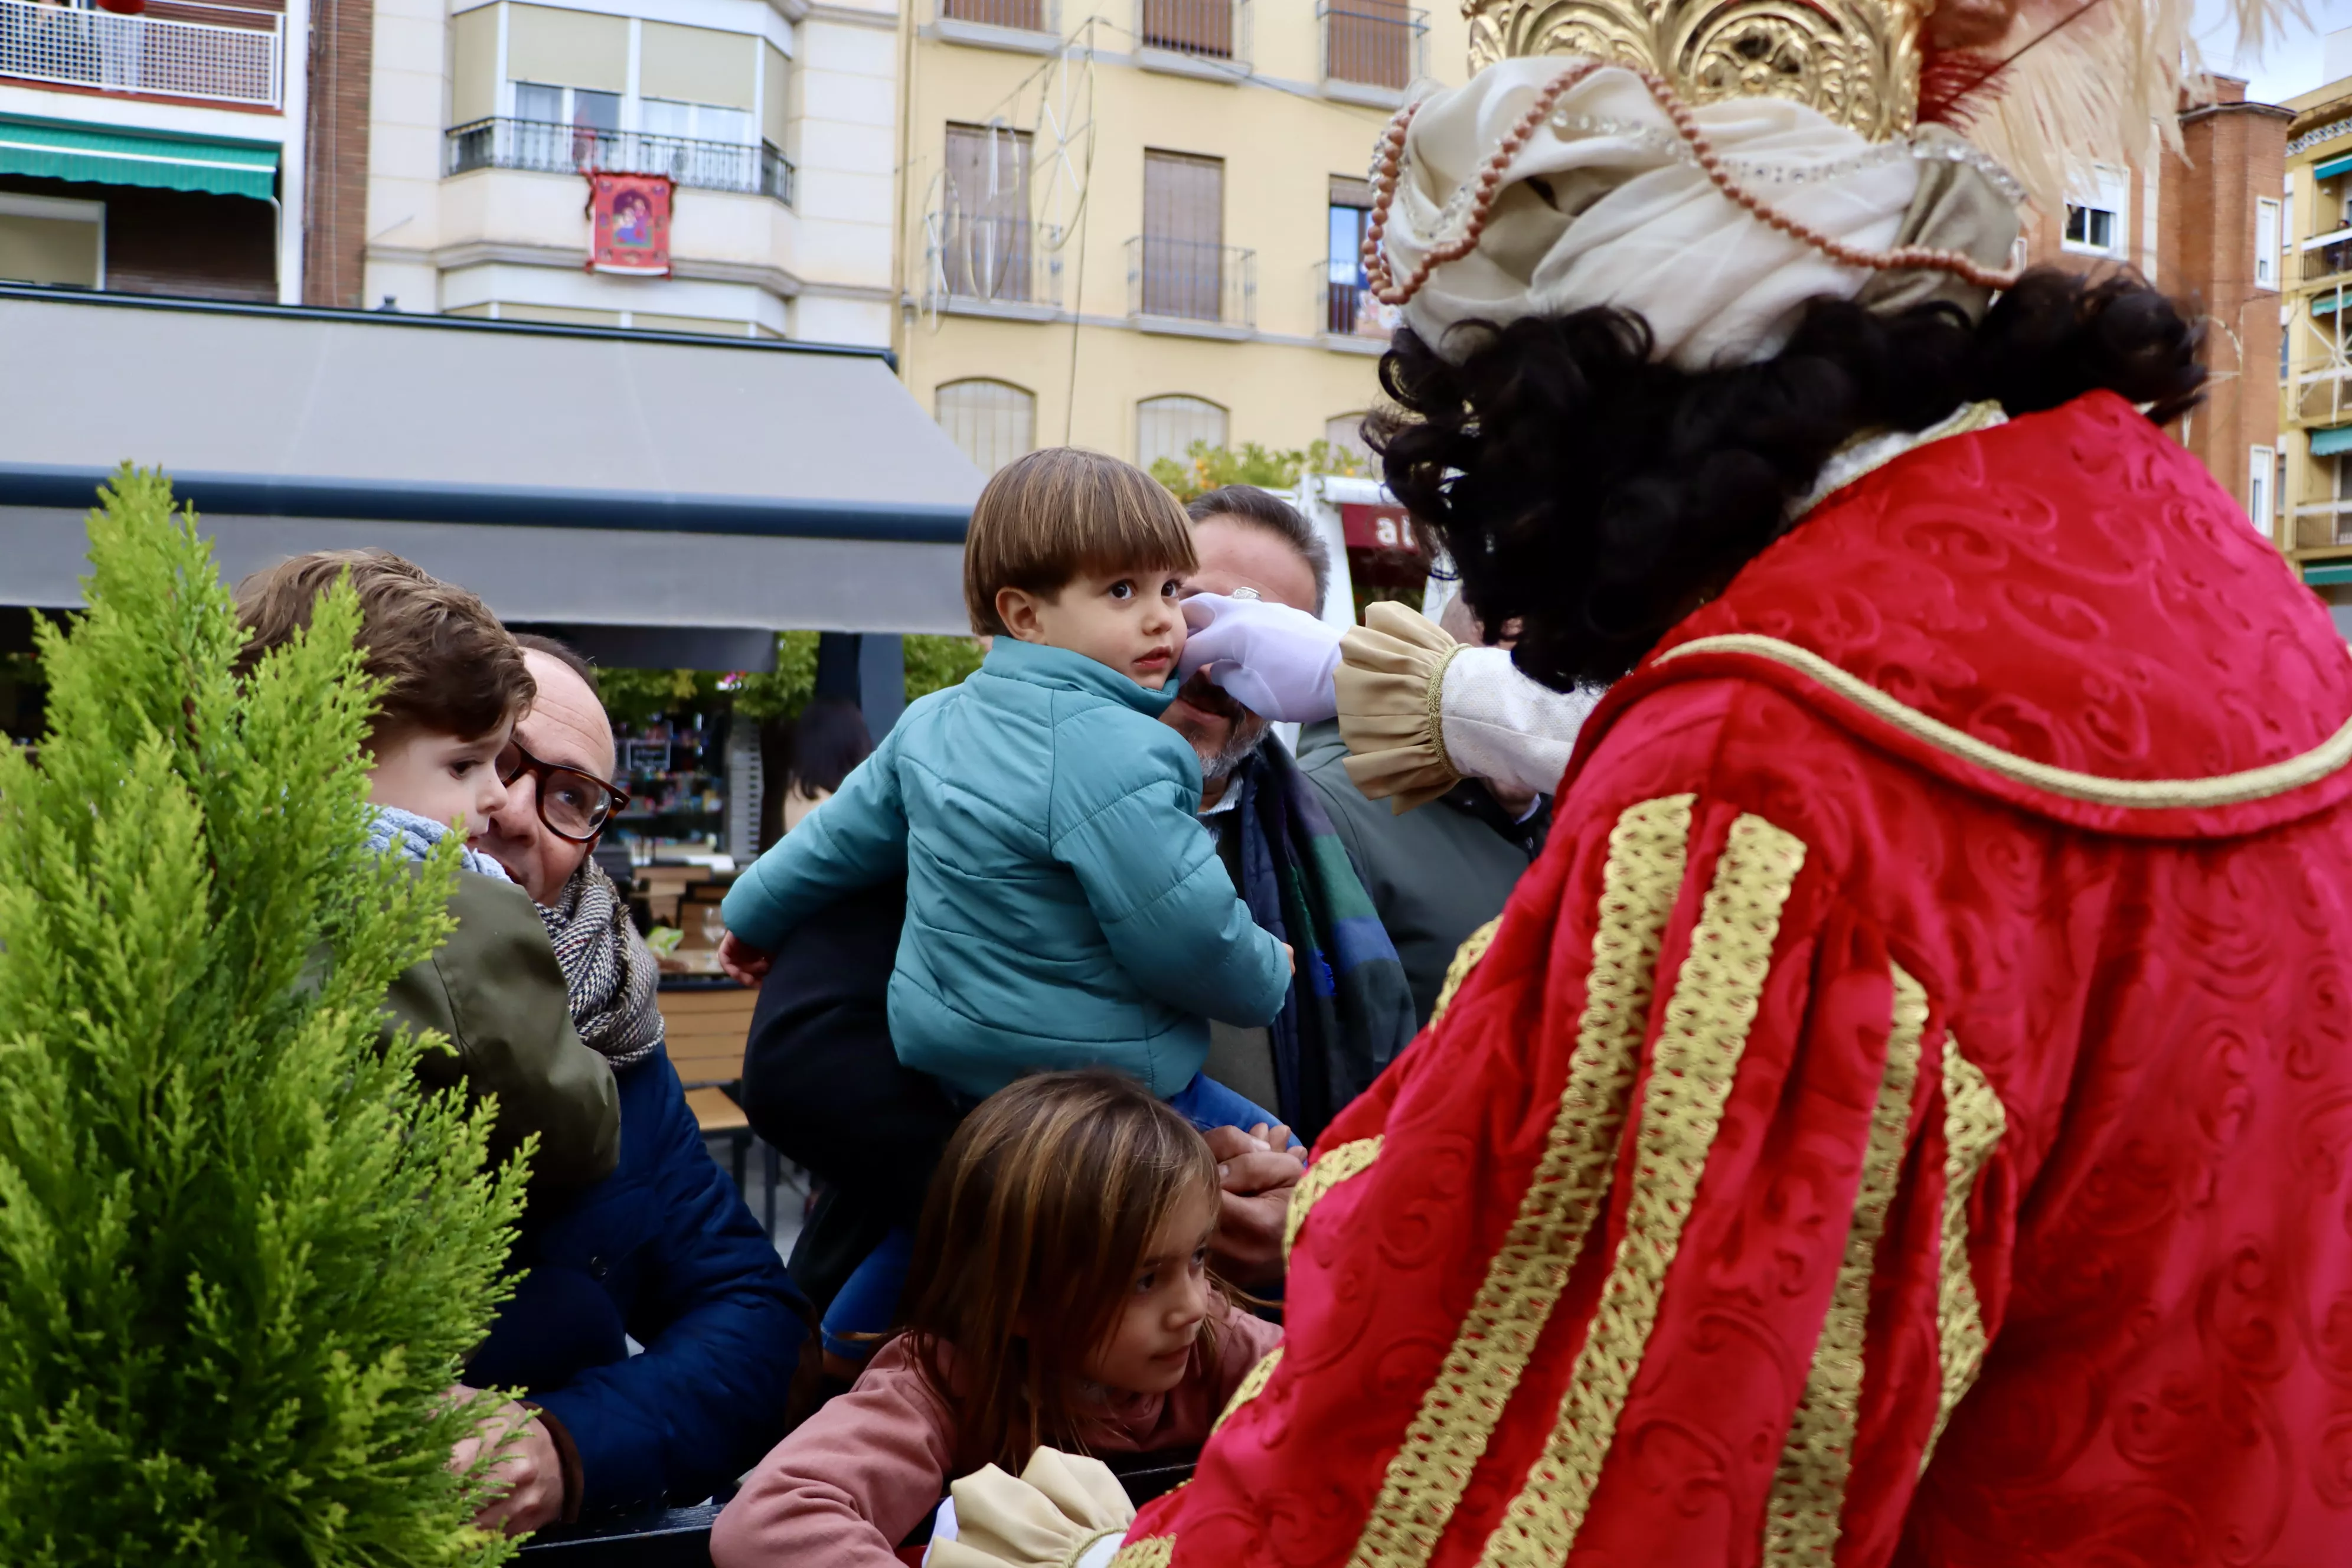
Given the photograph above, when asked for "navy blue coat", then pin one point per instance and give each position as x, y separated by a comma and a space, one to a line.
663, 1252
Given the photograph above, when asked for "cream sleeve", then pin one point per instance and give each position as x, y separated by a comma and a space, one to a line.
1420, 711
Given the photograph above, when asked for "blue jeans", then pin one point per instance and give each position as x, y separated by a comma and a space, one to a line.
869, 1304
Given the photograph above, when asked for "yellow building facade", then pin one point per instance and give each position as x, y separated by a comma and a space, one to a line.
1129, 224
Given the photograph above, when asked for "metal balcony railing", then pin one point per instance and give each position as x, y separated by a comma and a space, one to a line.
1025, 15
551, 148
1374, 42
992, 260
1182, 279
1212, 29
2327, 260
1347, 310
219, 54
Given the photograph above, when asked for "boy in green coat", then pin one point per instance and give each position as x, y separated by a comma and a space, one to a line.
1064, 906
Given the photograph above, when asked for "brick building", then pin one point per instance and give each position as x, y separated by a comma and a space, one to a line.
2204, 227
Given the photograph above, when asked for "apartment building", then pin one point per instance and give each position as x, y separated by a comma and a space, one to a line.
155, 146
2315, 404
2203, 225
1133, 225
492, 129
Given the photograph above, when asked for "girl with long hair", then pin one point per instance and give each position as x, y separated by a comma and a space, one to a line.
1059, 1296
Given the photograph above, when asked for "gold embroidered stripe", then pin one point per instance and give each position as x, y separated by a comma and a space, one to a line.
1698, 1052
1153, 1552
1800, 1521
1424, 1481
1337, 1164
1466, 959
1252, 1383
1973, 1124
2146, 795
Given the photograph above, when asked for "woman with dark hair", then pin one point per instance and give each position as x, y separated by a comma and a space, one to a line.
1902, 1116
829, 739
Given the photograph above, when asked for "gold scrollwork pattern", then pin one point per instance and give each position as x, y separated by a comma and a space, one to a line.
1152, 1552
1648, 848
1856, 62
1466, 959
1697, 1057
1335, 1165
1252, 1383
1808, 1501
1974, 1122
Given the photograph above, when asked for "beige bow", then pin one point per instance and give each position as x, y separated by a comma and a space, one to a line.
1061, 1505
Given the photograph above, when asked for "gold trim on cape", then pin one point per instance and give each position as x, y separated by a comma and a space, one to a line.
1808, 1503
1424, 1480
1152, 1552
1697, 1057
1336, 1163
1466, 959
1252, 1385
2145, 794
1974, 1122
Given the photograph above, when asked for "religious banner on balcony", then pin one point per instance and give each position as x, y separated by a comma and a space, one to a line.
629, 214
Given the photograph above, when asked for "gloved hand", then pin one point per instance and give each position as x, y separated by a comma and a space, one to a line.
1275, 661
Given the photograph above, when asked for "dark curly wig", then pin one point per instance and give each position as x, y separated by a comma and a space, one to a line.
1600, 497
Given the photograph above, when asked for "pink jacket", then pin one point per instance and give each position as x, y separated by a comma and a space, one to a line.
850, 1484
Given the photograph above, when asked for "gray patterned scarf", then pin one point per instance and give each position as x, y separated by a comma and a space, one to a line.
608, 970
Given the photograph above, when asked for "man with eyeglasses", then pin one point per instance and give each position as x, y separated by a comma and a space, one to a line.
663, 1251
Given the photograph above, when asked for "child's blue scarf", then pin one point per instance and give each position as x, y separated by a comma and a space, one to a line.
404, 832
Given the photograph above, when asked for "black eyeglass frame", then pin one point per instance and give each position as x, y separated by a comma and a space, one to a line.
539, 769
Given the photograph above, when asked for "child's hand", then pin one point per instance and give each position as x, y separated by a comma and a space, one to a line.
1290, 956
741, 961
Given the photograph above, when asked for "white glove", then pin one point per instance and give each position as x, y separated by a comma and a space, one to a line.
1275, 661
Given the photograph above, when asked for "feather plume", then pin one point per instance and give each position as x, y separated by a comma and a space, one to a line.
2079, 83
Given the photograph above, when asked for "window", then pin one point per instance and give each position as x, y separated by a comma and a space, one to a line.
1190, 26
1183, 236
985, 241
581, 108
1370, 41
1167, 428
697, 121
1029, 16
2095, 220
991, 421
1349, 307
1345, 433
2266, 244
2261, 472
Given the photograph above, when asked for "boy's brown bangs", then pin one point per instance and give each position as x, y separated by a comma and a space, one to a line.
1036, 1222
1060, 513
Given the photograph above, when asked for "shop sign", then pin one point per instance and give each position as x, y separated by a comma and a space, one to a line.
630, 213
1368, 527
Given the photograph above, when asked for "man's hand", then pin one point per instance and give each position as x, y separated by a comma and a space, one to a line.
1256, 1172
527, 1477
743, 962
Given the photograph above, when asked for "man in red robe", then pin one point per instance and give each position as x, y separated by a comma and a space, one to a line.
1907, 1114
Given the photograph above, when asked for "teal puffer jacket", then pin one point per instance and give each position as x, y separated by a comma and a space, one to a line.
1064, 907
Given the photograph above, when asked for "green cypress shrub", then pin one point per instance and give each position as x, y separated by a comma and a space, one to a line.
241, 1251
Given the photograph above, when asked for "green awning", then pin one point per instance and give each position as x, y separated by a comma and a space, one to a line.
2333, 571
2333, 167
48, 150
2327, 443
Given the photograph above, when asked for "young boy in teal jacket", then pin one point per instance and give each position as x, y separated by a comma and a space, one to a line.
1064, 905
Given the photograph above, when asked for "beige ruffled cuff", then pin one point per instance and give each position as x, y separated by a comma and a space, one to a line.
1390, 678
1062, 1505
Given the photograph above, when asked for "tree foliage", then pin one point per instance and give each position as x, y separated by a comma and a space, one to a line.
242, 1252
1208, 468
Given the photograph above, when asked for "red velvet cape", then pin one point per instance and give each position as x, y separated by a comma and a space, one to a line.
1905, 1115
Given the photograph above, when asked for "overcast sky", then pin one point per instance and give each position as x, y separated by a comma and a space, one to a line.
2292, 65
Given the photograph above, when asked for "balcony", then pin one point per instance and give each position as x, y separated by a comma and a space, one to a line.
2327, 260
1194, 37
1348, 318
1190, 288
1372, 50
993, 267
548, 148
213, 54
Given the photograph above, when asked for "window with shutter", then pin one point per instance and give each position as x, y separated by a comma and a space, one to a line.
1190, 26
1027, 15
1183, 234
984, 239
992, 421
1368, 41
1168, 426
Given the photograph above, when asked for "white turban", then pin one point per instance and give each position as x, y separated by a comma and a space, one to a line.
1605, 205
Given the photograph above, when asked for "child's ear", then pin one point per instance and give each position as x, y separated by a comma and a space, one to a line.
1018, 609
